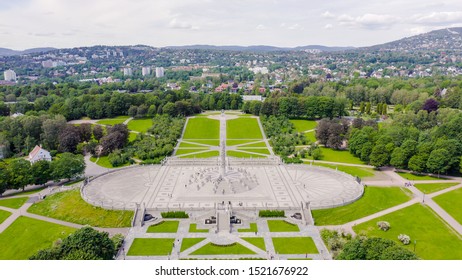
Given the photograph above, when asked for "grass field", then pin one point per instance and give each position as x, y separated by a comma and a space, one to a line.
253, 150
238, 142
189, 242
434, 187
26, 236
416, 177
243, 128
258, 242
69, 206
212, 249
104, 162
206, 142
113, 121
375, 199
191, 145
304, 125
294, 245
338, 156
259, 144
151, 247
203, 155
252, 228
14, 203
311, 136
242, 155
164, 227
434, 239
26, 192
132, 137
188, 151
450, 202
140, 125
202, 128
361, 172
193, 228
4, 215
282, 226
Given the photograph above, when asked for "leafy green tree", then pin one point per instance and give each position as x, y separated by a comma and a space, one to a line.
368, 108
398, 158
317, 154
68, 166
379, 156
41, 172
20, 175
438, 161
417, 163
4, 177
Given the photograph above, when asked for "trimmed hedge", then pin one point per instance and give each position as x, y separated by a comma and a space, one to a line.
174, 215
271, 214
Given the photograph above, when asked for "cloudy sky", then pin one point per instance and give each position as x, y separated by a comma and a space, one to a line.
70, 23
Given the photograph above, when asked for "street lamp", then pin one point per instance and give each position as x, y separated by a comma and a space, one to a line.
415, 243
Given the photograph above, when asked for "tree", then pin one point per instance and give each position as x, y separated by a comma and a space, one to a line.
398, 158
368, 108
98, 132
438, 161
4, 177
51, 129
361, 107
116, 138
132, 111
417, 163
68, 166
169, 109
41, 172
19, 171
69, 138
317, 154
84, 244
336, 132
430, 105
379, 156
85, 132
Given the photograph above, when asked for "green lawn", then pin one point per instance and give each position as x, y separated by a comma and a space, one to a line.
434, 187
237, 142
188, 151
338, 156
140, 125
189, 242
190, 145
435, 240
205, 142
304, 125
260, 151
234, 249
164, 227
253, 228
69, 206
151, 247
258, 242
416, 177
294, 245
113, 121
193, 228
203, 155
4, 215
243, 128
242, 155
282, 226
259, 144
14, 203
26, 192
361, 172
202, 128
132, 137
311, 136
375, 199
451, 203
104, 162
26, 236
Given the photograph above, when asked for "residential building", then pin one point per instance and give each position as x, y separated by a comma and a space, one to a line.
38, 153
128, 71
10, 75
159, 72
146, 71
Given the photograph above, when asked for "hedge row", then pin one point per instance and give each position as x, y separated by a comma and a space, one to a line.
271, 213
174, 215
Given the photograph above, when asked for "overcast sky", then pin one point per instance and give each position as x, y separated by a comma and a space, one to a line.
72, 23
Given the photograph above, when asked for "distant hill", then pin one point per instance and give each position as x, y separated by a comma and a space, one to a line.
259, 48
9, 52
436, 40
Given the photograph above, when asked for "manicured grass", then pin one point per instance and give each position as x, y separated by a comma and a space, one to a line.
253, 228
260, 151
193, 228
188, 151
237, 142
243, 128
434, 187
311, 136
339, 156
104, 162
451, 203
14, 203
258, 242
69, 206
26, 192
242, 155
416, 177
375, 199
4, 215
132, 137
205, 142
282, 226
190, 145
304, 125
151, 247
435, 239
203, 155
202, 128
140, 125
294, 245
164, 227
361, 172
110, 122
189, 242
259, 144
26, 236
234, 249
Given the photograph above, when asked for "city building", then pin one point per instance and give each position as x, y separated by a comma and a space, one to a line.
10, 75
159, 72
38, 153
146, 71
128, 71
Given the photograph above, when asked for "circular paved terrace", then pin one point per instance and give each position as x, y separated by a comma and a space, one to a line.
191, 187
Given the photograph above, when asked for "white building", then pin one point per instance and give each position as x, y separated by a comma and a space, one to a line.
10, 75
159, 72
146, 71
128, 71
252, 98
38, 153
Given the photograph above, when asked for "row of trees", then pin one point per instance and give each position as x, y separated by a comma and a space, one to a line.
18, 173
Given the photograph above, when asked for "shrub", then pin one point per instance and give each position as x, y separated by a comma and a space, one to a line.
383, 225
174, 215
271, 214
405, 239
